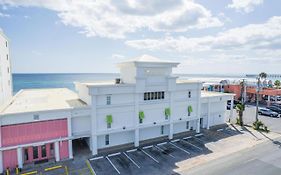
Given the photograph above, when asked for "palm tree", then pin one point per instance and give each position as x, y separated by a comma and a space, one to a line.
261, 76
240, 109
277, 83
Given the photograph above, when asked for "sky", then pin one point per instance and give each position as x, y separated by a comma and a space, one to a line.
85, 36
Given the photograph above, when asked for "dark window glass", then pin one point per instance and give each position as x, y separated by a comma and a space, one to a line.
52, 151
189, 94
145, 96
162, 130
159, 95
163, 95
140, 120
26, 158
43, 151
152, 95
35, 152
155, 96
187, 125
108, 125
106, 139
148, 94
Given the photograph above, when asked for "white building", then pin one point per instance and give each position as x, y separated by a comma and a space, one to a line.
148, 102
5, 70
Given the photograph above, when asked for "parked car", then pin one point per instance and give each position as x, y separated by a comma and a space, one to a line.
268, 112
277, 105
275, 109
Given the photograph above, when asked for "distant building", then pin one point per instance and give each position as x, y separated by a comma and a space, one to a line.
148, 102
5, 70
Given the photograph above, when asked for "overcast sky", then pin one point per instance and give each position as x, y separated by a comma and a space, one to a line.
205, 36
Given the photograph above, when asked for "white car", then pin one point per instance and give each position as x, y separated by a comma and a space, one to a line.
268, 112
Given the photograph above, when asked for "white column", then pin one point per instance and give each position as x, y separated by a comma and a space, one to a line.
136, 120
198, 108
231, 109
70, 150
1, 162
57, 151
69, 129
94, 126
171, 130
137, 137
20, 157
209, 114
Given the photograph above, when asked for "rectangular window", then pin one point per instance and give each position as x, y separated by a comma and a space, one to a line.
148, 96
159, 95
140, 120
162, 130
145, 96
26, 158
163, 95
8, 69
108, 125
107, 139
7, 57
188, 113
155, 96
187, 125
189, 94
152, 96
35, 152
43, 151
6, 43
108, 100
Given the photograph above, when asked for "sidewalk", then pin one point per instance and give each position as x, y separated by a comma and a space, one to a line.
229, 145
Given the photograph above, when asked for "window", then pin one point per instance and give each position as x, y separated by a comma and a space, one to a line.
6, 43
189, 94
8, 70
36, 117
140, 120
7, 57
154, 95
188, 113
43, 151
107, 139
162, 130
187, 125
108, 125
35, 152
108, 100
26, 158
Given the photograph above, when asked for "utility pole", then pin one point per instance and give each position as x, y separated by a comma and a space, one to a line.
257, 99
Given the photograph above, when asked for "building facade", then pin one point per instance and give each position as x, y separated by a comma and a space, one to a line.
5, 70
147, 102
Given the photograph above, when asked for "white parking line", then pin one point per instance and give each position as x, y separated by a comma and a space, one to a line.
189, 137
132, 150
163, 151
131, 160
192, 145
180, 148
175, 140
197, 135
114, 154
96, 158
199, 139
163, 143
112, 164
146, 147
149, 156
219, 130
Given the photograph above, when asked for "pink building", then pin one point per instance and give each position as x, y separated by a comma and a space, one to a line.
36, 127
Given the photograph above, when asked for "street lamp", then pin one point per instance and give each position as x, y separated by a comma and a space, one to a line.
257, 97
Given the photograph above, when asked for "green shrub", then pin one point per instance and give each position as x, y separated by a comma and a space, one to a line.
257, 125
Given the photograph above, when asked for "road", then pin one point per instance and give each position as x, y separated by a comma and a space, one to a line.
261, 159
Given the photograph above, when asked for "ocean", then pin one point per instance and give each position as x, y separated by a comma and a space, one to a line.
65, 80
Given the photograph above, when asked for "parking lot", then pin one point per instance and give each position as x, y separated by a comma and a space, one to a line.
160, 158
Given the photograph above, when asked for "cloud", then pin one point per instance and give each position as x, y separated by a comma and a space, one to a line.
4, 15
253, 36
115, 19
245, 6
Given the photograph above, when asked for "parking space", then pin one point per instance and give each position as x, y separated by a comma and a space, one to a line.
101, 166
154, 159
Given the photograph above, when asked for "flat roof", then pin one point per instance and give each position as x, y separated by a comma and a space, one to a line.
32, 100
214, 94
